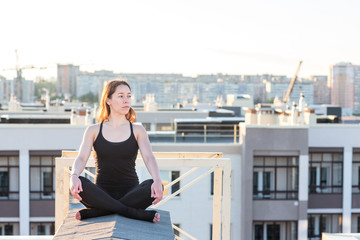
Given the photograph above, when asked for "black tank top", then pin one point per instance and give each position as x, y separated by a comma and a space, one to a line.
115, 162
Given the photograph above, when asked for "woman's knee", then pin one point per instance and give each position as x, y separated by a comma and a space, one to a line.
147, 183
84, 181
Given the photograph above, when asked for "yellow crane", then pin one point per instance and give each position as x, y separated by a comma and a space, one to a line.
292, 83
17, 84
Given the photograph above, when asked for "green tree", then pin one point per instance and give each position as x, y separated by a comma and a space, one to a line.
271, 100
257, 100
49, 85
89, 98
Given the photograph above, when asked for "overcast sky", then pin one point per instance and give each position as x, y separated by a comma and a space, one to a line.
183, 36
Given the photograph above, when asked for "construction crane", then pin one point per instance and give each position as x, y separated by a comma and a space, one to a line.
292, 83
18, 80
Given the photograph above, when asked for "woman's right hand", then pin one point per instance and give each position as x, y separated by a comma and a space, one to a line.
75, 187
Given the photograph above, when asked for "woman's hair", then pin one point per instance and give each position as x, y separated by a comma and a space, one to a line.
104, 108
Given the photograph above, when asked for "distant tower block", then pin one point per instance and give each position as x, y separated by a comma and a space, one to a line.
149, 104
195, 100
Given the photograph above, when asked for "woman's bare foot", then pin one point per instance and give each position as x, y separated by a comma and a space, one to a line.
78, 216
156, 218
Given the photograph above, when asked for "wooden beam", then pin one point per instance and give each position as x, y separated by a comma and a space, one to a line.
217, 204
73, 154
226, 200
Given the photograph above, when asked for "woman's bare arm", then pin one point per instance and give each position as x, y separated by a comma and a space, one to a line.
84, 152
80, 161
150, 163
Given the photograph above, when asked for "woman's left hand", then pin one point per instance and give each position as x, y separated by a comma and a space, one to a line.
157, 191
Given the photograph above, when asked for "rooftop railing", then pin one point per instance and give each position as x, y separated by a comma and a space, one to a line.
214, 162
198, 133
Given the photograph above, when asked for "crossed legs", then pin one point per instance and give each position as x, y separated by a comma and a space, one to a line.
132, 205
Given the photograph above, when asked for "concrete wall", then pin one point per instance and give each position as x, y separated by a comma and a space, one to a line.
275, 210
273, 141
325, 201
9, 208
355, 201
42, 208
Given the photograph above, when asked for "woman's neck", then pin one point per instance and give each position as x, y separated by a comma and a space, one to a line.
117, 121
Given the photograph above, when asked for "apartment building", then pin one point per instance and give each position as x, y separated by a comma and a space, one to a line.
66, 79
345, 86
299, 181
5, 90
182, 89
321, 89
21, 88
92, 82
279, 89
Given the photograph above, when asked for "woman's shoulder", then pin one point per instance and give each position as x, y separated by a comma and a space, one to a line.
93, 130
94, 127
138, 129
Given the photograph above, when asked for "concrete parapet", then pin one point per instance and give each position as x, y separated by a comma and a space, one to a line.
340, 236
114, 227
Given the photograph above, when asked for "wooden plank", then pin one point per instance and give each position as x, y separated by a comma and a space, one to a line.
73, 154
226, 200
217, 204
59, 193
165, 162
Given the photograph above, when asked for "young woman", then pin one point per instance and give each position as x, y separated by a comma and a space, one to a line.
116, 142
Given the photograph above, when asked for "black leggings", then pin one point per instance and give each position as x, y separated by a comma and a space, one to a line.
132, 204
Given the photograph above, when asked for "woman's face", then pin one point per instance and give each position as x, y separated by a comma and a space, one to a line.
120, 100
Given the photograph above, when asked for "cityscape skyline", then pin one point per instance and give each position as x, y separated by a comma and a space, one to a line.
180, 37
35, 72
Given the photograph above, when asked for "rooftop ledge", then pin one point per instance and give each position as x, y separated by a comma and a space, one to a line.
33, 237
114, 227
341, 236
322, 125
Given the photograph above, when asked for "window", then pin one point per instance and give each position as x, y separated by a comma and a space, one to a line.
211, 230
319, 223
325, 172
9, 229
355, 223
176, 186
222, 188
212, 183
356, 173
275, 230
275, 177
4, 183
42, 228
169, 176
42, 174
9, 175
176, 232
